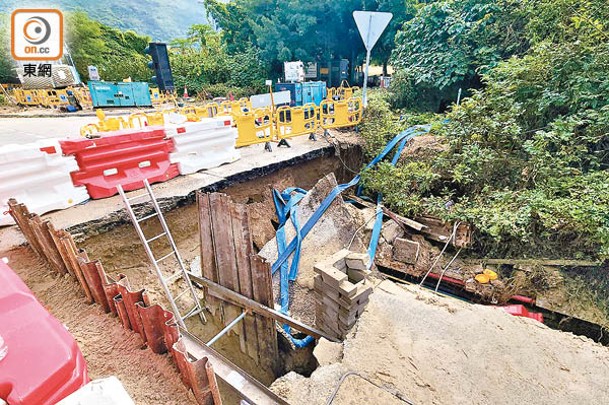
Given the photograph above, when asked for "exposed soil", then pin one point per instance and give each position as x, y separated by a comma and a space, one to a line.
438, 350
111, 350
108, 348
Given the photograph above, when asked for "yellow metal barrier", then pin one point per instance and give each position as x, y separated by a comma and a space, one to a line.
27, 97
340, 114
89, 129
295, 121
209, 110
83, 96
54, 98
156, 96
138, 120
344, 92
254, 127
155, 119
110, 124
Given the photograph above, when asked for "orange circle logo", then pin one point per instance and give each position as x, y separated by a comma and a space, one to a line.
36, 30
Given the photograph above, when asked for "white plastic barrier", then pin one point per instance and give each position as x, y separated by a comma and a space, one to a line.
37, 175
203, 145
107, 391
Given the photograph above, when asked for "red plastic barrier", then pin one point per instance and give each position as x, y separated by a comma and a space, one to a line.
43, 364
520, 310
125, 157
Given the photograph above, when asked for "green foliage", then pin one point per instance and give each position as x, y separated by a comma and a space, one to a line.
7, 73
380, 123
448, 45
201, 62
302, 29
160, 19
116, 54
526, 159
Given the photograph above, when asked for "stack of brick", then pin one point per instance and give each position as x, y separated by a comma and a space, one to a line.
342, 291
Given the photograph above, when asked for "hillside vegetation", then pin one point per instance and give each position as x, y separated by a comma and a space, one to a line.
525, 159
160, 19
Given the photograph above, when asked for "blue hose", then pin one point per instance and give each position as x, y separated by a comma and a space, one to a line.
285, 205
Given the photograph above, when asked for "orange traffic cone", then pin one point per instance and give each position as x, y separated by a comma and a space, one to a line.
185, 92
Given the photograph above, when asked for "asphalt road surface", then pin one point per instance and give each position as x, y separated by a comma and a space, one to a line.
26, 130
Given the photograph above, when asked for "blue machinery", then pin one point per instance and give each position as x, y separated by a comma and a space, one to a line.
285, 205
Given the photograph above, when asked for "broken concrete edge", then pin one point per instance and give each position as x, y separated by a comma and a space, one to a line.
120, 217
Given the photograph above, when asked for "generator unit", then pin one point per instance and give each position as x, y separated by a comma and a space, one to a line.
334, 72
119, 94
304, 93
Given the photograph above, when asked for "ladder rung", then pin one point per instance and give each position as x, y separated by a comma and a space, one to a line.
177, 297
194, 311
147, 217
156, 237
173, 277
165, 257
137, 196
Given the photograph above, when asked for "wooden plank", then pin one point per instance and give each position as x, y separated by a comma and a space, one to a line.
242, 240
397, 218
225, 251
21, 215
259, 308
208, 257
268, 353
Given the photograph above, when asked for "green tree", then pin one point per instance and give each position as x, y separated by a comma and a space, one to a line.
116, 54
7, 68
449, 44
301, 29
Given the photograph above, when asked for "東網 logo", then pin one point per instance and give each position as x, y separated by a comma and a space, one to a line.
37, 34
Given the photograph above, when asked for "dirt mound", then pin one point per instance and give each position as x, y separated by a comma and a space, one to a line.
435, 349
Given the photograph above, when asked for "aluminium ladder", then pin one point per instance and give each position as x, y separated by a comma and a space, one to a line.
180, 315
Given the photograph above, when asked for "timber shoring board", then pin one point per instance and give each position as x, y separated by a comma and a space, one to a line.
208, 258
226, 238
258, 308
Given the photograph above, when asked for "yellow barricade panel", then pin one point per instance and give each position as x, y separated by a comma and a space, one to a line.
340, 114
254, 127
89, 129
295, 121
138, 120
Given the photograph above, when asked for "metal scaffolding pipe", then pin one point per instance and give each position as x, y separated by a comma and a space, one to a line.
227, 328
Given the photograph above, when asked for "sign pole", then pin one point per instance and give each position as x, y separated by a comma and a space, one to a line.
370, 25
364, 90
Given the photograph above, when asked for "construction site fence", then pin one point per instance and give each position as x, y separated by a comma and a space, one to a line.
55, 98
344, 92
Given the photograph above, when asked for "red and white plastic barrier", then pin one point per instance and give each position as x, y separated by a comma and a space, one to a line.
38, 175
203, 145
43, 363
124, 157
